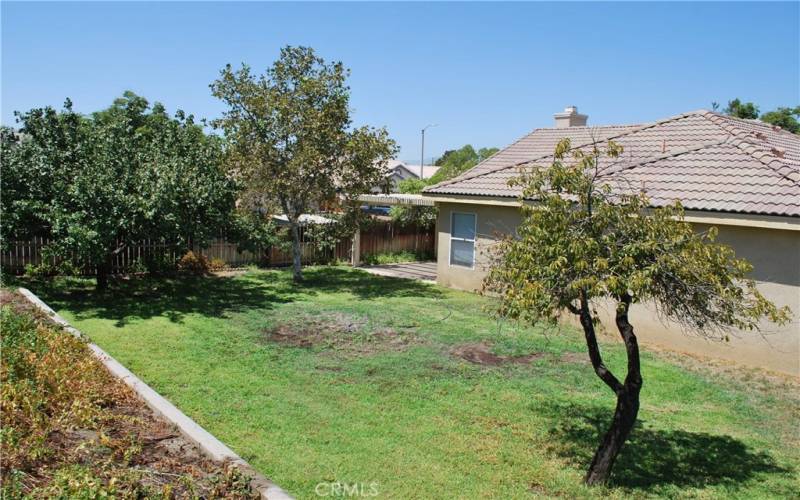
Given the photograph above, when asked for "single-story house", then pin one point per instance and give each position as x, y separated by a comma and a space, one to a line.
742, 176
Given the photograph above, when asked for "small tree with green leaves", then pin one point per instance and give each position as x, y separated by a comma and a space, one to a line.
291, 140
581, 243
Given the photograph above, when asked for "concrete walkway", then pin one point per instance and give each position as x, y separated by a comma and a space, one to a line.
423, 271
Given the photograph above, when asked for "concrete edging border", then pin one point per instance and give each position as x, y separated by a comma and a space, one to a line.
211, 446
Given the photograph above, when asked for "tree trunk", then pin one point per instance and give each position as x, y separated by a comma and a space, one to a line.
627, 394
297, 252
102, 276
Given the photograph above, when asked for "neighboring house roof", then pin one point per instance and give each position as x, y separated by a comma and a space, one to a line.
405, 170
304, 219
706, 160
428, 171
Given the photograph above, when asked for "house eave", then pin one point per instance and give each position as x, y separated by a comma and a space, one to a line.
782, 222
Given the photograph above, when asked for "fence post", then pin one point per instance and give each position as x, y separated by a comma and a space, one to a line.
355, 253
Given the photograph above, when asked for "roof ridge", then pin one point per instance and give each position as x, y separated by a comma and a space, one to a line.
757, 150
466, 177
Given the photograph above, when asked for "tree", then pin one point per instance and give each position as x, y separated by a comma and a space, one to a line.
452, 163
739, 109
784, 118
95, 184
406, 215
457, 161
291, 141
581, 244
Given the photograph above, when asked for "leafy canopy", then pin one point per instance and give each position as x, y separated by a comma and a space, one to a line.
292, 143
291, 137
457, 161
784, 117
591, 237
94, 184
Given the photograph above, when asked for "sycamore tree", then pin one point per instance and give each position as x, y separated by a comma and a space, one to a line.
585, 241
95, 184
292, 143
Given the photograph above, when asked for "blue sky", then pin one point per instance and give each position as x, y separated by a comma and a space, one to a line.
486, 73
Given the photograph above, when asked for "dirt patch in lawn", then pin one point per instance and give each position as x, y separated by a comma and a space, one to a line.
481, 354
575, 357
339, 332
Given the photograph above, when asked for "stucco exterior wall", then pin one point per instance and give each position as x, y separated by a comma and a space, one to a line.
774, 253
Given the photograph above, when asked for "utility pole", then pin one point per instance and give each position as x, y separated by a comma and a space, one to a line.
422, 154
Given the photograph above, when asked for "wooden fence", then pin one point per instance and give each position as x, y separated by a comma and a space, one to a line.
381, 237
387, 237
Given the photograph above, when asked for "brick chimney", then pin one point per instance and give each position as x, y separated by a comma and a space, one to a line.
570, 118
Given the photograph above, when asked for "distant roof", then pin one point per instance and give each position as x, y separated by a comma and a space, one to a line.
304, 219
428, 171
706, 160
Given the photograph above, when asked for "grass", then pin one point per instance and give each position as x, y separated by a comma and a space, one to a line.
349, 378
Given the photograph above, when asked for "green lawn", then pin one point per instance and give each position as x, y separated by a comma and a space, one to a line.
352, 378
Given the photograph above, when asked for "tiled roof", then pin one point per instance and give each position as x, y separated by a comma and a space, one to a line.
706, 160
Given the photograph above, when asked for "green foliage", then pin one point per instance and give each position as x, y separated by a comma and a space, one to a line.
484, 431
292, 141
457, 161
94, 184
452, 163
580, 240
786, 118
394, 257
739, 109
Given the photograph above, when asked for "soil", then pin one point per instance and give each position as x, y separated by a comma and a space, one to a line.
339, 332
481, 354
575, 357
131, 441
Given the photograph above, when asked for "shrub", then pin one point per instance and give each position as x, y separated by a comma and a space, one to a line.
48, 382
193, 263
216, 264
160, 264
46, 270
395, 257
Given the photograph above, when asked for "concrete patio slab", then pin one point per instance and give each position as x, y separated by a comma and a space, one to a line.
422, 271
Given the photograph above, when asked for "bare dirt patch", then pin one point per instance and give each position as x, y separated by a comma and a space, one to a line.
339, 332
481, 354
575, 357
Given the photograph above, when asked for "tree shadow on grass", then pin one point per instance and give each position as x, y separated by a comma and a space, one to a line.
214, 296
365, 286
170, 297
654, 459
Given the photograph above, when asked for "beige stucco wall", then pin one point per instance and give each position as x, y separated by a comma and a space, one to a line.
774, 253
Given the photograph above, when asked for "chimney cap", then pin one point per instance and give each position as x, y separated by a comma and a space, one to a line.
570, 118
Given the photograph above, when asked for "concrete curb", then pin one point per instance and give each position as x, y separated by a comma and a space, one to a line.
211, 446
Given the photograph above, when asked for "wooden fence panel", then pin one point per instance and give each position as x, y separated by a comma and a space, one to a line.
381, 237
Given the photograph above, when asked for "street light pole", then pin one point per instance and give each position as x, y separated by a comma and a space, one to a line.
422, 154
